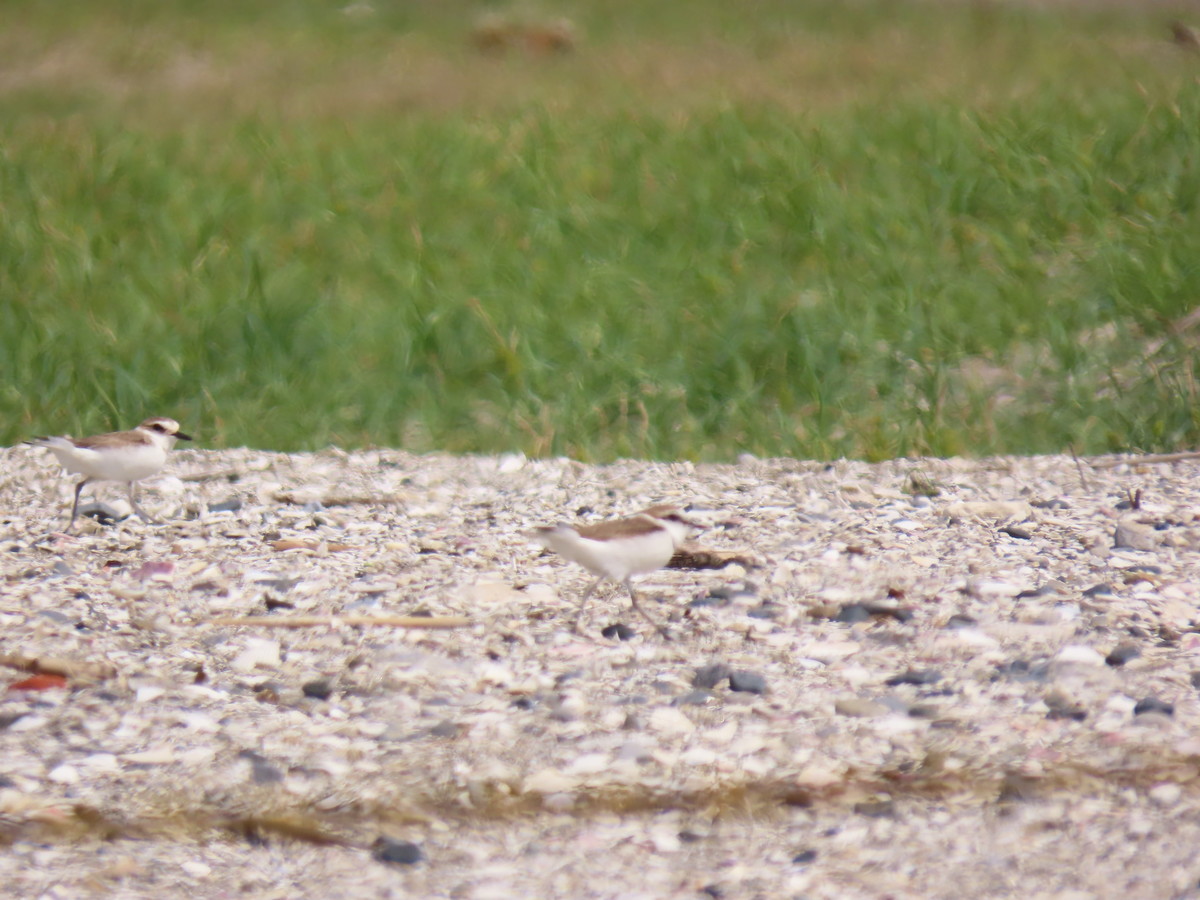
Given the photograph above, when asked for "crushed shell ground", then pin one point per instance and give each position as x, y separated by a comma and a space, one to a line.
1039, 737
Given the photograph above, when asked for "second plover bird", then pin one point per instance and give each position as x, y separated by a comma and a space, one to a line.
618, 549
127, 456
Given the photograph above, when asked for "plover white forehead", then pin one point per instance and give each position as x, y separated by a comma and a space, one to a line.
127, 456
618, 549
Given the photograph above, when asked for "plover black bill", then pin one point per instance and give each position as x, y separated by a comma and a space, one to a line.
127, 456
618, 549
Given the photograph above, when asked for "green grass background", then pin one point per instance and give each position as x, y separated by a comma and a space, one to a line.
816, 229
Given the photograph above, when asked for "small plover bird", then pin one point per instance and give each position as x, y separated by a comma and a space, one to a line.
127, 456
618, 549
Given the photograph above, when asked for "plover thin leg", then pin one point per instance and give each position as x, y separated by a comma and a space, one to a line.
583, 602
145, 516
661, 629
75, 505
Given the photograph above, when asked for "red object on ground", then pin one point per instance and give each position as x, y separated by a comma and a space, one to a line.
39, 683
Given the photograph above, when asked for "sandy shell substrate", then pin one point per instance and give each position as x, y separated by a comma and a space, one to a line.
1034, 617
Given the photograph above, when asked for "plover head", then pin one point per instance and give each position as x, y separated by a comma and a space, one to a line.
166, 428
672, 518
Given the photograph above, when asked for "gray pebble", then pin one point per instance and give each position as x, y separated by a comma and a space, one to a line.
1153, 705
1023, 670
318, 689
445, 729
1044, 591
961, 621
748, 682
261, 771
101, 512
710, 676
915, 676
401, 853
1054, 503
876, 809
924, 711
1122, 654
853, 613
619, 631
1061, 707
